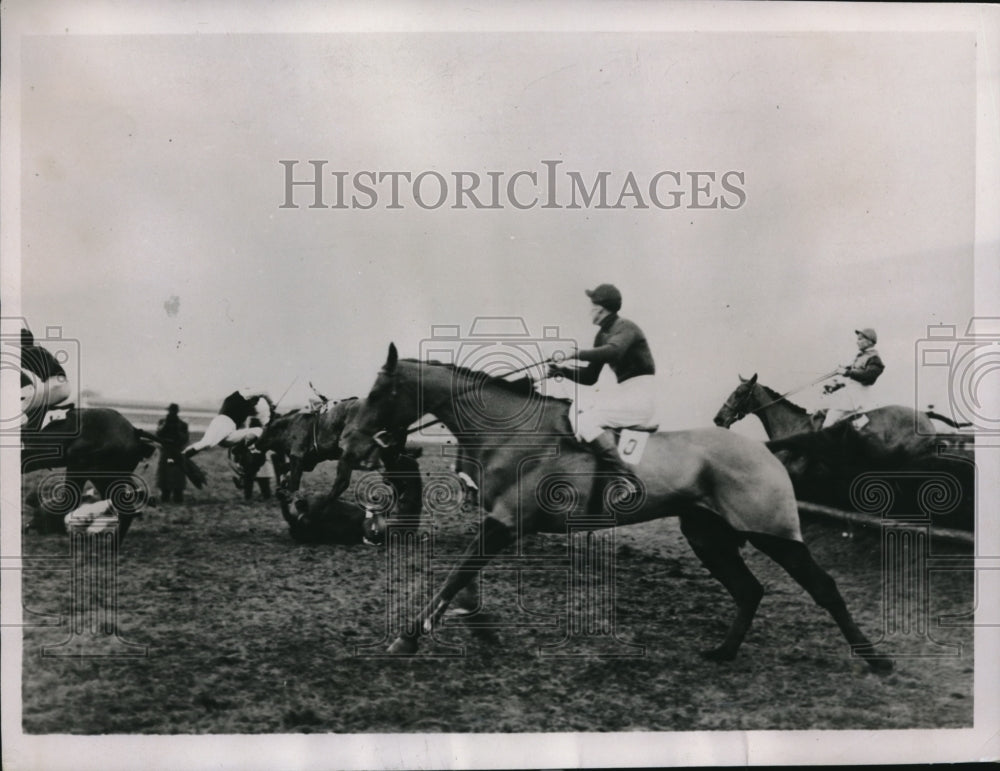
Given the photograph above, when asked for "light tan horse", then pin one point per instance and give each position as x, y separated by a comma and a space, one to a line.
726, 489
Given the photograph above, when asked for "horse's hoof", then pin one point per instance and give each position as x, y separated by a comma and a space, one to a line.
718, 654
880, 665
403, 645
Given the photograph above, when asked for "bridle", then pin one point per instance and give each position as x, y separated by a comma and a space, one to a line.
781, 397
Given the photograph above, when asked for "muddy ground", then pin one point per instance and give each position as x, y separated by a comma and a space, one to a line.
245, 630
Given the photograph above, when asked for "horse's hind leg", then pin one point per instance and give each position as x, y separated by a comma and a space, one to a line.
796, 559
718, 547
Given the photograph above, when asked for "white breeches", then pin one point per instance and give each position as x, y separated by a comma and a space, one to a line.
44, 393
614, 405
853, 397
222, 430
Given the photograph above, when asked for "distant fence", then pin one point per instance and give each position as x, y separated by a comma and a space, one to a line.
146, 415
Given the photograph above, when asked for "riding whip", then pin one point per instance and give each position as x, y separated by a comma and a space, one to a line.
285, 392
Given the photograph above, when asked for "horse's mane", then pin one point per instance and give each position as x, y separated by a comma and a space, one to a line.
776, 397
524, 386
309, 411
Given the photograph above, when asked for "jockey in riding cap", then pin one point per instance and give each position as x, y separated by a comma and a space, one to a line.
631, 401
236, 409
854, 394
43, 379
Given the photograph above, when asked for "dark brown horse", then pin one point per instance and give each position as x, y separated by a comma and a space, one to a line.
100, 446
825, 462
893, 431
307, 438
726, 489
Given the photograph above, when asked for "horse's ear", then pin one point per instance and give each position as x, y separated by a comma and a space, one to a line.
753, 380
391, 359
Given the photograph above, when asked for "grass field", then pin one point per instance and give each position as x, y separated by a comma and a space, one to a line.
246, 631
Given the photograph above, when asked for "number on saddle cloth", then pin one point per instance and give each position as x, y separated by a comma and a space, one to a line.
632, 441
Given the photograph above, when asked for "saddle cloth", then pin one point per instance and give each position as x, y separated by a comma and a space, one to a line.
632, 441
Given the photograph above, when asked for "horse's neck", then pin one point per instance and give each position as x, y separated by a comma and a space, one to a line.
779, 416
439, 394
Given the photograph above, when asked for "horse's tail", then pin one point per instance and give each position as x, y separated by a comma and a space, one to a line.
945, 419
148, 441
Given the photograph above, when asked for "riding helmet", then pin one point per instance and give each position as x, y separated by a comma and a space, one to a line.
607, 296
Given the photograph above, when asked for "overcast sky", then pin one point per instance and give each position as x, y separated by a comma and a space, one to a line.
152, 227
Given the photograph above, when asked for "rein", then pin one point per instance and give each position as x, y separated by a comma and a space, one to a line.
379, 439
781, 397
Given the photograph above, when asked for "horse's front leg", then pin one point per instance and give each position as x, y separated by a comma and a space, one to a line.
342, 481
294, 473
494, 536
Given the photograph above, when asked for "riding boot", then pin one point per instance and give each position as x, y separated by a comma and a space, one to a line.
605, 449
265, 488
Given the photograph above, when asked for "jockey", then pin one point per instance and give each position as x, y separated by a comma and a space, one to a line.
236, 409
631, 401
43, 379
854, 394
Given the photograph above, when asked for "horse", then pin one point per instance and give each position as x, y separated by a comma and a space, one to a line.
307, 438
98, 445
824, 462
725, 489
887, 431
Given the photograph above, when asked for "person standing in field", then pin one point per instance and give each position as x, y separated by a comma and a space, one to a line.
173, 435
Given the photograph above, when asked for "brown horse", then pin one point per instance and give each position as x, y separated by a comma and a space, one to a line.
100, 446
307, 438
726, 489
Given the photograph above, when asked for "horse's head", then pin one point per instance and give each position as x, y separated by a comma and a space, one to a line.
277, 433
383, 416
738, 405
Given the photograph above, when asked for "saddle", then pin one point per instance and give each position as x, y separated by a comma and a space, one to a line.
857, 418
618, 430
